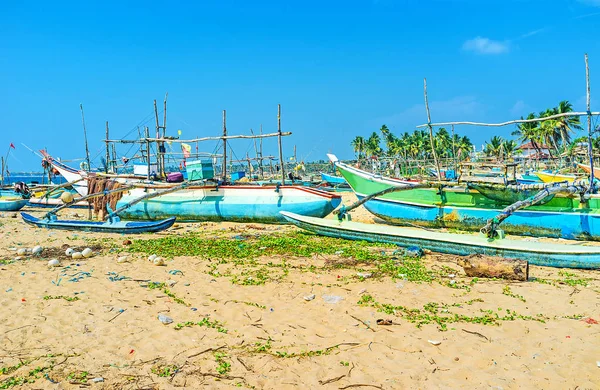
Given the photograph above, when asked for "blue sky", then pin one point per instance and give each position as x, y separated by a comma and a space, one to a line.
339, 68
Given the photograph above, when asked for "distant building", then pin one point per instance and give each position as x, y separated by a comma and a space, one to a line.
530, 152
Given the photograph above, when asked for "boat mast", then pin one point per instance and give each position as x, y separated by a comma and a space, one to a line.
224, 146
87, 152
279, 141
589, 118
106, 164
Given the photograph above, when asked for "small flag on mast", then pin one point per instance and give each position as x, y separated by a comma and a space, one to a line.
12, 145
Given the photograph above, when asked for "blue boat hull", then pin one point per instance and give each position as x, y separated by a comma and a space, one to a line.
578, 225
332, 179
121, 227
13, 205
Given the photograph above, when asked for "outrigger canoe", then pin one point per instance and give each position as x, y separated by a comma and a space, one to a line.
538, 253
12, 204
114, 226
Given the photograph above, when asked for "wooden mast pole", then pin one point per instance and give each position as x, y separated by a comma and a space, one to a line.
106, 164
262, 171
437, 164
280, 146
87, 151
147, 133
164, 127
224, 146
589, 118
454, 151
159, 168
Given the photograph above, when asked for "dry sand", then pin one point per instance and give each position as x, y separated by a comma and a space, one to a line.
112, 331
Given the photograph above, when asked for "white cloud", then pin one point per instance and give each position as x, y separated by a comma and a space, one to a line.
519, 109
482, 45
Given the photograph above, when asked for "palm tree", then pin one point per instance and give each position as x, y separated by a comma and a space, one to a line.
388, 137
372, 147
529, 132
358, 144
464, 146
494, 148
509, 148
443, 142
566, 124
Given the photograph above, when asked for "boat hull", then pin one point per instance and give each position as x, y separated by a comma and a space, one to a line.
334, 180
537, 253
12, 204
467, 209
574, 225
121, 227
232, 203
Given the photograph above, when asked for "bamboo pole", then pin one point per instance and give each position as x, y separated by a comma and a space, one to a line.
147, 131
437, 164
145, 197
107, 151
589, 118
279, 135
157, 140
87, 151
262, 170
514, 121
88, 198
224, 146
51, 190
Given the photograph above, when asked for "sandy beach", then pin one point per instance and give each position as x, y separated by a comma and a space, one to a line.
247, 312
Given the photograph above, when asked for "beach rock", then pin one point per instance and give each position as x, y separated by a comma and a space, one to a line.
122, 259
87, 252
152, 257
127, 242
18, 258
77, 255
171, 283
21, 251
158, 261
165, 319
69, 251
332, 299
434, 342
54, 263
309, 297
37, 250
364, 275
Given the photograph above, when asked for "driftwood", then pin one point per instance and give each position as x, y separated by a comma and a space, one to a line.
495, 267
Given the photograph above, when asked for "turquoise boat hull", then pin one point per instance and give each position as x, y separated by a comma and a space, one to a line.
232, 203
12, 204
537, 253
333, 180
